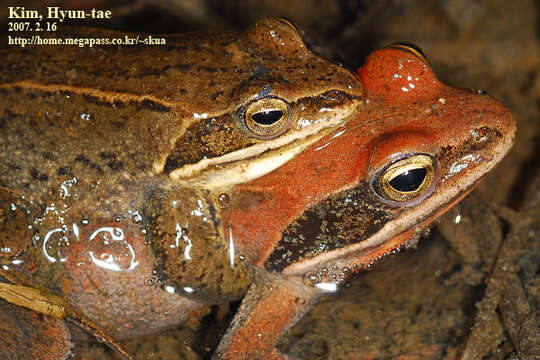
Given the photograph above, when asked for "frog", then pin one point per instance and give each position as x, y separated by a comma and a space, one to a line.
141, 185
112, 166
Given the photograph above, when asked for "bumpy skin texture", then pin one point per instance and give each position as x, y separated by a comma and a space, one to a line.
91, 150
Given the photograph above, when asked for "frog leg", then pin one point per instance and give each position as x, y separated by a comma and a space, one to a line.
15, 233
272, 305
23, 335
52, 305
15, 236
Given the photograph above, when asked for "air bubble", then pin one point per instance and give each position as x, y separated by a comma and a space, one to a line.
111, 251
55, 244
312, 278
137, 218
224, 200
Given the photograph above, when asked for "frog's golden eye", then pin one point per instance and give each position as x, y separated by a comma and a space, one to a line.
410, 48
290, 23
266, 117
407, 179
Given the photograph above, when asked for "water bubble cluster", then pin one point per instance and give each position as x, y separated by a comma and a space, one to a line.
327, 278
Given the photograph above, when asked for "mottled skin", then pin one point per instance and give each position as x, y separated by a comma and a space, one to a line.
128, 129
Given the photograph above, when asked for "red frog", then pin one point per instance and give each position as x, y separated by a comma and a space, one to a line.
138, 190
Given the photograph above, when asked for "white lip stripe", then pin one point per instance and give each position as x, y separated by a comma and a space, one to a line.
243, 171
190, 170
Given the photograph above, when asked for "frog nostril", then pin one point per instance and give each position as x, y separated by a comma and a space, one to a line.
481, 135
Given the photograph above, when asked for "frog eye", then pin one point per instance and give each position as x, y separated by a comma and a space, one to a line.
267, 117
407, 179
410, 48
290, 23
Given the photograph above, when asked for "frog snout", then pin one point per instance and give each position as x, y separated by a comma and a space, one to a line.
494, 131
499, 120
506, 124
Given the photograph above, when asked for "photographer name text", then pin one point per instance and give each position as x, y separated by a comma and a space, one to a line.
56, 13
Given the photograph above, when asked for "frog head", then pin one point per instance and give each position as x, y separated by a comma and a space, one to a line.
417, 148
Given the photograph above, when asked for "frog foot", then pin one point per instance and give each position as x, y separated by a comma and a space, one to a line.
24, 335
44, 302
273, 304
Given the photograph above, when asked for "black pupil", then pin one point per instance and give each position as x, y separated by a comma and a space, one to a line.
409, 180
267, 117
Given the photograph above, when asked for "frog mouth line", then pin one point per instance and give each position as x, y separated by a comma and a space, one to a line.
347, 256
248, 164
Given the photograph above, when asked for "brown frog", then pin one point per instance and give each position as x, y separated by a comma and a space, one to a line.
139, 184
